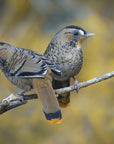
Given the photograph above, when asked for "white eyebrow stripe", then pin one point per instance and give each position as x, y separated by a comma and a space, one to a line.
81, 32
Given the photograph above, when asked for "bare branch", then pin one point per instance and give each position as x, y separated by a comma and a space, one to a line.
86, 83
15, 100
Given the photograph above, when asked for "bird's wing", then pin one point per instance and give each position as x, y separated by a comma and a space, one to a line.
24, 64
50, 64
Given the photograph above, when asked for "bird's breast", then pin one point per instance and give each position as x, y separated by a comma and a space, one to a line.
70, 64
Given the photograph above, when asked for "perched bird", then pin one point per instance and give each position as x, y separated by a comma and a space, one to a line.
29, 70
65, 52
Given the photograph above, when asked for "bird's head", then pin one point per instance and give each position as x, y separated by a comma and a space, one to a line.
2, 49
73, 33
5, 49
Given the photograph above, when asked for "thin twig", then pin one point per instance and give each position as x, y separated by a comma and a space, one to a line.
12, 101
15, 100
86, 83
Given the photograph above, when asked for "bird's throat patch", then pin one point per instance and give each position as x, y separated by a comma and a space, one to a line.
80, 41
2, 52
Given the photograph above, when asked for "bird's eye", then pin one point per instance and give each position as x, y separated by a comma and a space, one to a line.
76, 33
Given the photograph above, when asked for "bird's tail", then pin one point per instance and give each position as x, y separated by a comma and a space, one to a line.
63, 99
48, 100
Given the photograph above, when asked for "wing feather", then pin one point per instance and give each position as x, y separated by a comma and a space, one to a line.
50, 64
28, 65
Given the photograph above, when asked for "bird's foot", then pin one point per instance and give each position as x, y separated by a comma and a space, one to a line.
76, 85
15, 97
20, 95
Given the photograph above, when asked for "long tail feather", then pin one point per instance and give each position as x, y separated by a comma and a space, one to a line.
48, 100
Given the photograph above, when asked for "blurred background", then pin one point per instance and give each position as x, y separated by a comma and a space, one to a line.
89, 119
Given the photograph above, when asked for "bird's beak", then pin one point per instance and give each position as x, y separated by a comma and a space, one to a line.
84, 37
89, 34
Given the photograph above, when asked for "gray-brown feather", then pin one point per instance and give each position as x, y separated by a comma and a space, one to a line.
21, 65
68, 56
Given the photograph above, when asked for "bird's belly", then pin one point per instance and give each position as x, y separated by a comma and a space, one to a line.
68, 69
24, 84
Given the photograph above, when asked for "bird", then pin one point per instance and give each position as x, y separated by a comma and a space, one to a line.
65, 51
29, 70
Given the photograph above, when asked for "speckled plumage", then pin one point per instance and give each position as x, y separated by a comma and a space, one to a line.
28, 70
67, 56
65, 51
19, 64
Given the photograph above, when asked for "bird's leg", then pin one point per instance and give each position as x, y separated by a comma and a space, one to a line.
15, 97
76, 84
21, 94
27, 93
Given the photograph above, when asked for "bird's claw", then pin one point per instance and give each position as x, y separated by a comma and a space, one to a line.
76, 85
